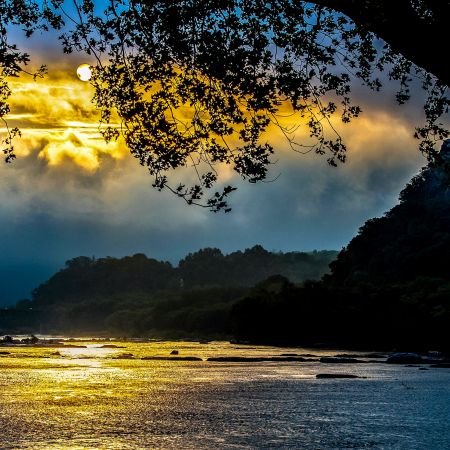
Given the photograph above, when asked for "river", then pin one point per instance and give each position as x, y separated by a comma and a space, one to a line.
99, 398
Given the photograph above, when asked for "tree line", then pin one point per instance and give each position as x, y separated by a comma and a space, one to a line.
389, 288
139, 295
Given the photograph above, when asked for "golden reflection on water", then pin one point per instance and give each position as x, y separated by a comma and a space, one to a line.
93, 397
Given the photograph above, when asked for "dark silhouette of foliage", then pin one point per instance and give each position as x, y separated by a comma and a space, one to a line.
411, 240
30, 16
390, 287
140, 296
391, 316
197, 83
90, 277
210, 266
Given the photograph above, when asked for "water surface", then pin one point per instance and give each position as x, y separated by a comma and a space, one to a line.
87, 398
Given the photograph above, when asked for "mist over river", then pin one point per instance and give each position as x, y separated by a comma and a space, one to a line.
110, 398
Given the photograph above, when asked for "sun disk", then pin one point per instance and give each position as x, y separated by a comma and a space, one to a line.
84, 72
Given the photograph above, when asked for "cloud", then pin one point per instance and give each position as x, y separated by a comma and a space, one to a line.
65, 168
69, 193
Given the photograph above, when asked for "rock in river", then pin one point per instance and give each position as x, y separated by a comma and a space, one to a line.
336, 375
335, 360
405, 358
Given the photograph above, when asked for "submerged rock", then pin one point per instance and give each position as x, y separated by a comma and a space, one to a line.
362, 355
111, 346
31, 340
257, 359
335, 360
405, 358
443, 365
171, 358
125, 356
336, 375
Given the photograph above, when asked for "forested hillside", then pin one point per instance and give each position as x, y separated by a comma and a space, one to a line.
88, 277
137, 295
389, 287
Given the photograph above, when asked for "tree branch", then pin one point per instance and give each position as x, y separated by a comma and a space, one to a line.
421, 40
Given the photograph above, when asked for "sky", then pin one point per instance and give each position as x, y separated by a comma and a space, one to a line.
70, 194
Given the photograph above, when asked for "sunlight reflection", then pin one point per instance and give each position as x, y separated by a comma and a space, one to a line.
62, 397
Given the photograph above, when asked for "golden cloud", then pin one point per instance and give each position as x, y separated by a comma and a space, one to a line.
59, 122
57, 113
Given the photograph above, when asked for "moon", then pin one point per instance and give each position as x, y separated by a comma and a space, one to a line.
84, 72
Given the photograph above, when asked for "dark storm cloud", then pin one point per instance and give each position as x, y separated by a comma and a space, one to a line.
52, 213
69, 195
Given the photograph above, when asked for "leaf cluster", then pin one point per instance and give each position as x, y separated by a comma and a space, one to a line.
200, 83
29, 16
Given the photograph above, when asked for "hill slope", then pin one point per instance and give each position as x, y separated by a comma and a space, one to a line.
140, 296
411, 240
390, 287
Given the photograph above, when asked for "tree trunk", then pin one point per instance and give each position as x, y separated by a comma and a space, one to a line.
422, 41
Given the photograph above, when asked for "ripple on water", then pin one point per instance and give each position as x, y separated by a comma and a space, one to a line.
86, 398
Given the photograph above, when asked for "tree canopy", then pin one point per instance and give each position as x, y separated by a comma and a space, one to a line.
136, 294
197, 83
388, 288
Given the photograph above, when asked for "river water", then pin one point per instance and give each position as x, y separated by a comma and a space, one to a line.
88, 398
